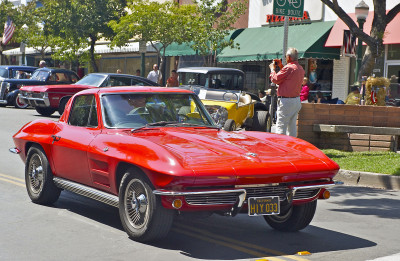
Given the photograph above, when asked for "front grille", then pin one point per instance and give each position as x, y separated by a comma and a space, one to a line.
265, 191
3, 91
212, 199
306, 193
36, 95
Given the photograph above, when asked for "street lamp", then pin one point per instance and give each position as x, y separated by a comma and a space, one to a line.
362, 10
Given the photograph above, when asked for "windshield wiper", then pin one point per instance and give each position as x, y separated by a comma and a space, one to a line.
154, 124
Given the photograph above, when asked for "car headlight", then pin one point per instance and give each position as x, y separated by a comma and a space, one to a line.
7, 85
218, 113
45, 95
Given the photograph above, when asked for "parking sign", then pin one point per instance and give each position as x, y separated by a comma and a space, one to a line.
293, 8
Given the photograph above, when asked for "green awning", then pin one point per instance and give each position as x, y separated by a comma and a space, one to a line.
183, 49
266, 43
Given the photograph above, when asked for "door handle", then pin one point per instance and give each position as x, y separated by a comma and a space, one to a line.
55, 138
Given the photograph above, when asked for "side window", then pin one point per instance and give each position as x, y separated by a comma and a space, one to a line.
74, 78
84, 112
120, 81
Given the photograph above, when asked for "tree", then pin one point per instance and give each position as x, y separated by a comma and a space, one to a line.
215, 21
78, 24
374, 41
158, 23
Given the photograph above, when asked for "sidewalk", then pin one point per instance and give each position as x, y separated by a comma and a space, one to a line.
365, 179
368, 179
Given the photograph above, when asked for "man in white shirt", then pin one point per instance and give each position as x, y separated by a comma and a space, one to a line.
155, 74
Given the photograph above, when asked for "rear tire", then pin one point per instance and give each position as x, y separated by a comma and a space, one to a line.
45, 111
261, 121
295, 219
39, 178
141, 212
230, 125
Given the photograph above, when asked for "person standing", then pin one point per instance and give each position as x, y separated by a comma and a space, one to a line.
305, 90
173, 80
42, 64
289, 79
155, 74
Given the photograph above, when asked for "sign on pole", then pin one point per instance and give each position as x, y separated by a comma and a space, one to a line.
293, 8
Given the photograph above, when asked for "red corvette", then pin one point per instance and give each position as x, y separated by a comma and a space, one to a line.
156, 153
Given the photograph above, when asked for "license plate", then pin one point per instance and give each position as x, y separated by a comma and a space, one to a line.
263, 206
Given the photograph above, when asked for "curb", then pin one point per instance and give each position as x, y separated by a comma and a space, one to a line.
368, 179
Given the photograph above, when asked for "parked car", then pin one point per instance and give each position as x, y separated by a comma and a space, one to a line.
9, 88
223, 92
50, 98
156, 153
11, 71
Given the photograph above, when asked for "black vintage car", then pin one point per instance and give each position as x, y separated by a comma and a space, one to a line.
9, 88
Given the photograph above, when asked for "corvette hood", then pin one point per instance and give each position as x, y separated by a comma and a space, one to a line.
229, 155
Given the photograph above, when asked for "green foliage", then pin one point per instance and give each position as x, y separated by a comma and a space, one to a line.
215, 20
369, 161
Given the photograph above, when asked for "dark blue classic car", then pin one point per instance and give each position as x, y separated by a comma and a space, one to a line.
16, 71
9, 88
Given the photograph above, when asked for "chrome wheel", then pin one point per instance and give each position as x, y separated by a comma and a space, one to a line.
35, 174
136, 204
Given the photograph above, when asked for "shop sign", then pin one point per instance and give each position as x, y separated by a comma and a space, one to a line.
278, 19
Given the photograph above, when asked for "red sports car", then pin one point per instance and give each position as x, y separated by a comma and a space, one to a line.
156, 153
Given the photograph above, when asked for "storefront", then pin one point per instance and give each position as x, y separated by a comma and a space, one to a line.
259, 46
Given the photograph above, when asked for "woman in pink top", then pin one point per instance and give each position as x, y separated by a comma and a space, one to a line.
305, 90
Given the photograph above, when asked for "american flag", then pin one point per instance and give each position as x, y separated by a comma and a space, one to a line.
349, 44
9, 28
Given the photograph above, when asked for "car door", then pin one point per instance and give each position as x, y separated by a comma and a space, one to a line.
71, 140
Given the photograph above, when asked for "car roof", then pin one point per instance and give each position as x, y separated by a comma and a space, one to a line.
125, 75
208, 70
50, 69
18, 67
130, 89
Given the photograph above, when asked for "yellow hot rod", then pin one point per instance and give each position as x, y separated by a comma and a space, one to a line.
223, 93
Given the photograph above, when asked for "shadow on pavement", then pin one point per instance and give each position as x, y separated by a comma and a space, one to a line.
223, 238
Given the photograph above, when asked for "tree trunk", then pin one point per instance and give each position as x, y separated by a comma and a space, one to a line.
92, 58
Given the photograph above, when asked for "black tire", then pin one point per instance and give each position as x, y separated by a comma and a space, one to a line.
295, 219
19, 104
39, 178
61, 107
261, 121
45, 111
142, 216
230, 125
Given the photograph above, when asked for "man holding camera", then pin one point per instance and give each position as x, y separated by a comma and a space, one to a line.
289, 79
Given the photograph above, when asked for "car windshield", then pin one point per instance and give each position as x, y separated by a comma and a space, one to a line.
138, 110
92, 80
226, 81
39, 75
3, 73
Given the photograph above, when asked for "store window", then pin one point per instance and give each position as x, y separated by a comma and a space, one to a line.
320, 75
393, 52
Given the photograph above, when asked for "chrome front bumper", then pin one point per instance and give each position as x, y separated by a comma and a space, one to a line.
35, 101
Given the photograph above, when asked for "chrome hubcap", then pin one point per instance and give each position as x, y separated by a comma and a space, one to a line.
136, 204
36, 174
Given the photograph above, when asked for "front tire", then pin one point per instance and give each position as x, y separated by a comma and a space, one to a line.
61, 107
19, 104
295, 219
230, 125
141, 212
39, 178
45, 111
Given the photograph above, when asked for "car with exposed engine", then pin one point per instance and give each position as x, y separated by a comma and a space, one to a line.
156, 153
47, 99
9, 88
225, 96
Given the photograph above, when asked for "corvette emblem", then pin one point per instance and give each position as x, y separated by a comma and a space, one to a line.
251, 154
